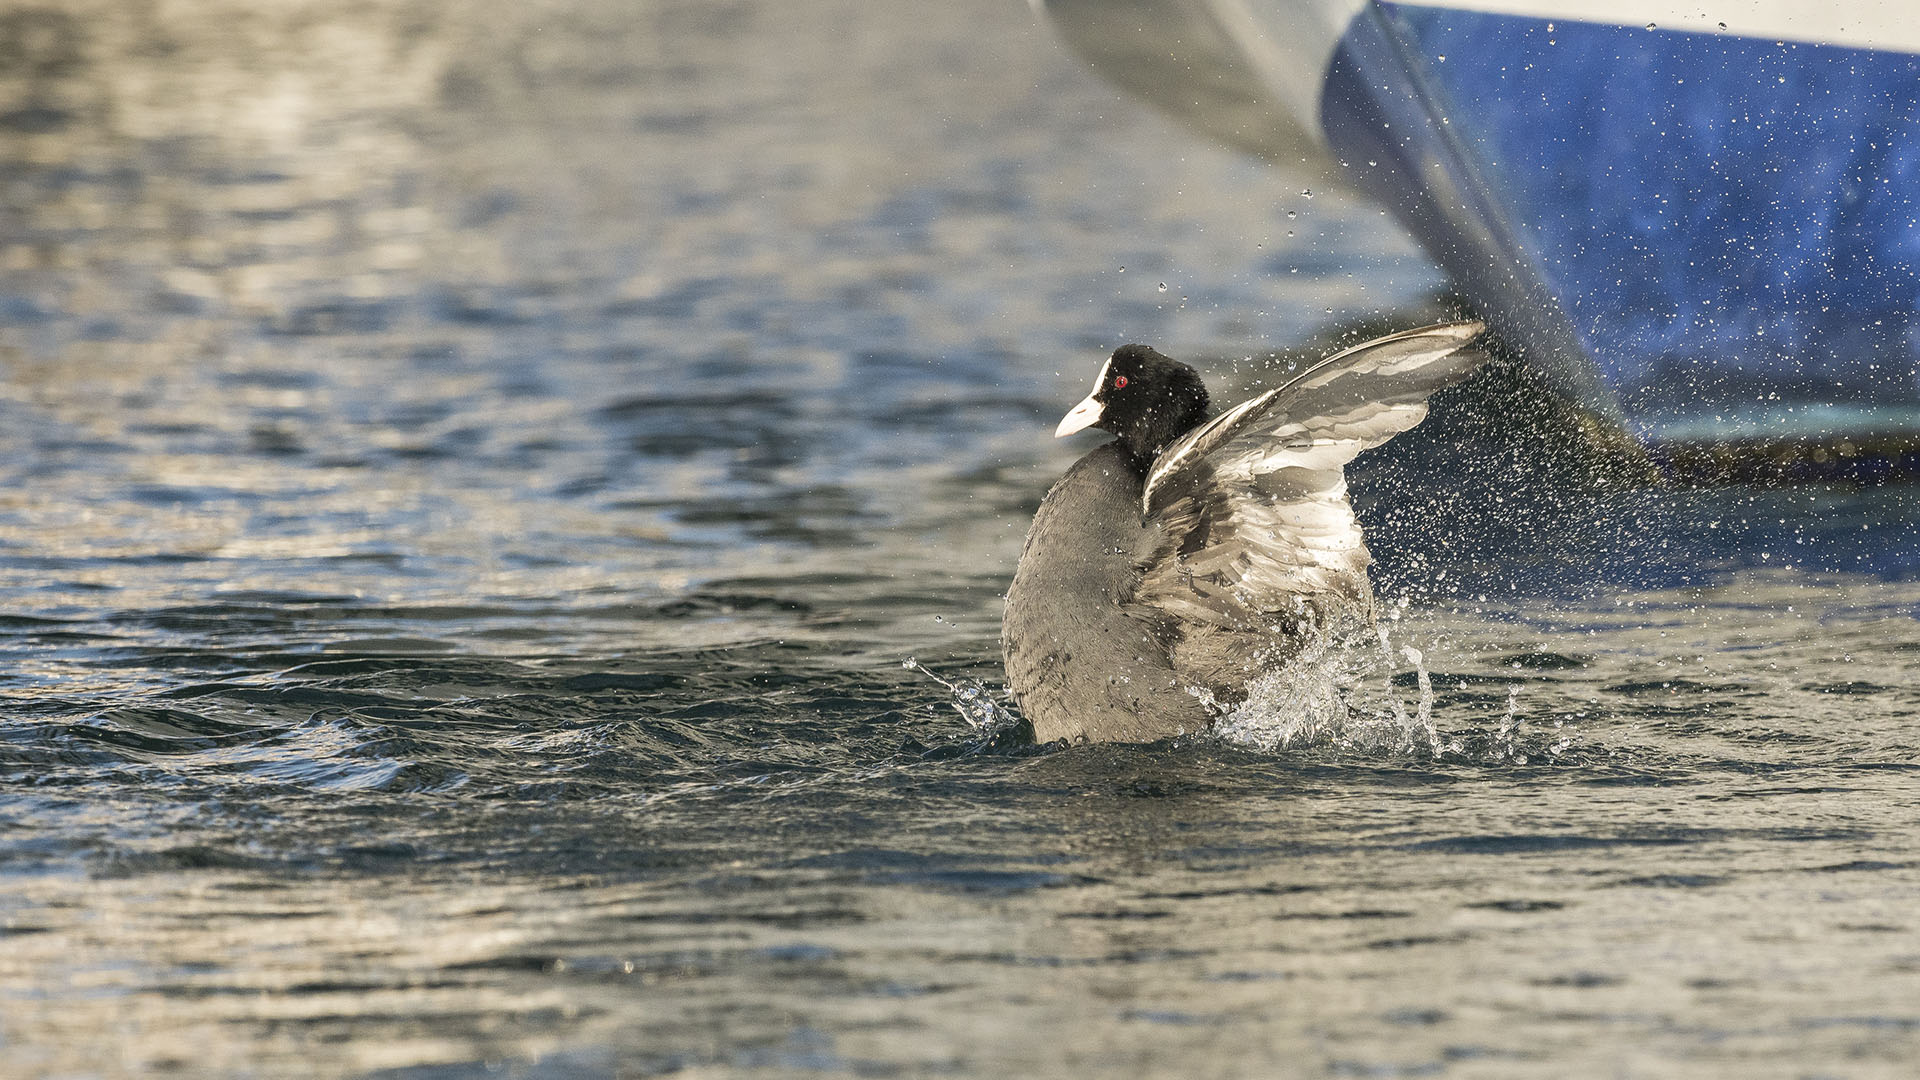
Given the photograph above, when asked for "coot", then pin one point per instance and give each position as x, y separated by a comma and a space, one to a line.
1190, 554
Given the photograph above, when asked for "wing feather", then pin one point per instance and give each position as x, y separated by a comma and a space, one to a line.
1254, 502
1399, 370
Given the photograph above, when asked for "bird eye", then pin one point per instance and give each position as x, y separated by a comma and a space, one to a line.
1119, 382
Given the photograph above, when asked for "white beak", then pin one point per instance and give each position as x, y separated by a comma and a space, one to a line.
1084, 415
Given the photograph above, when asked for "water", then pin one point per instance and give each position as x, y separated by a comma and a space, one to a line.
469, 481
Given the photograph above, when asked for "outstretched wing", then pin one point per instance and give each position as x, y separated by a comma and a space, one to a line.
1253, 503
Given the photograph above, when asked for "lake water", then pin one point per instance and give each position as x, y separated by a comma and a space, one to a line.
469, 480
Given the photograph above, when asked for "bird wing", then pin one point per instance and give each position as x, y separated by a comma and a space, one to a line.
1253, 503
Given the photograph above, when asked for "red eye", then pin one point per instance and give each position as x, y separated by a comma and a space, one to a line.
1119, 382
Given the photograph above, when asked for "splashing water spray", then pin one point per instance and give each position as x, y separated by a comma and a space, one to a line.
1336, 691
1424, 715
972, 700
1506, 746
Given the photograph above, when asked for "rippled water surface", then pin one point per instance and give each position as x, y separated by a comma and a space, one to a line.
469, 477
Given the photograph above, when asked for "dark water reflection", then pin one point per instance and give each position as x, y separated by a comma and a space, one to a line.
468, 477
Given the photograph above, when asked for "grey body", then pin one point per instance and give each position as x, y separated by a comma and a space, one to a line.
1170, 564
1084, 659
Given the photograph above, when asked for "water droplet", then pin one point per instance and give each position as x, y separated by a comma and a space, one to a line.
1650, 26
1293, 214
1163, 286
1306, 193
1123, 269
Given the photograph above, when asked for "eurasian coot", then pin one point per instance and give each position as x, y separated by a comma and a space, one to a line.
1190, 554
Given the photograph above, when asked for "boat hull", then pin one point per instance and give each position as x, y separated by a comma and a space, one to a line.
1704, 234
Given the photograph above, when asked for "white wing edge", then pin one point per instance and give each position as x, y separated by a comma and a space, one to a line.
1194, 445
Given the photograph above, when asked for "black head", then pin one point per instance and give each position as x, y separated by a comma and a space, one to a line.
1147, 399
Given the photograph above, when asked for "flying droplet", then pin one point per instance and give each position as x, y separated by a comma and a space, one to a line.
1293, 214
1306, 193
1650, 26
1163, 286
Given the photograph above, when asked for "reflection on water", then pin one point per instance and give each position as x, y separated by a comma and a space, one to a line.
469, 477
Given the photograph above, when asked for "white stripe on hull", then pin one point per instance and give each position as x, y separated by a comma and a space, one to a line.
1888, 25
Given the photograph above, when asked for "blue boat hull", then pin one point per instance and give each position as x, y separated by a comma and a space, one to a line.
1703, 235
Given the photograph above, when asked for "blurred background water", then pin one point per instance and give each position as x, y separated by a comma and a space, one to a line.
469, 475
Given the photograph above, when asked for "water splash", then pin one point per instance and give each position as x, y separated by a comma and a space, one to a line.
1339, 693
1513, 744
1424, 714
974, 702
1336, 691
1506, 741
